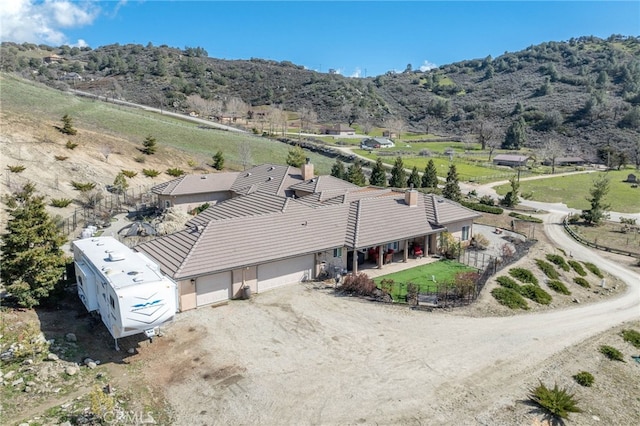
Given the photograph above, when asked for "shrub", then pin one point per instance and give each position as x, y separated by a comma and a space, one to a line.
480, 241
507, 282
175, 172
129, 173
71, 145
557, 402
548, 269
526, 218
83, 186
594, 269
60, 202
536, 294
582, 282
150, 173
67, 125
558, 287
359, 284
509, 298
584, 378
487, 200
631, 336
16, 169
558, 260
482, 207
524, 275
61, 157
578, 268
611, 353
199, 209
139, 159
561, 251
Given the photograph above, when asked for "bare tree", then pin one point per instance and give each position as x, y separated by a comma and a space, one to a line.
551, 150
395, 125
492, 145
486, 132
307, 117
244, 154
236, 108
367, 125
106, 151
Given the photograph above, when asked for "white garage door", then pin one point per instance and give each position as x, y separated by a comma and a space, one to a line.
284, 272
213, 288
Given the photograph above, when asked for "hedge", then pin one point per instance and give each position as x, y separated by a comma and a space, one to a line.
482, 207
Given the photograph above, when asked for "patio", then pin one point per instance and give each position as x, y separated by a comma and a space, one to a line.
372, 270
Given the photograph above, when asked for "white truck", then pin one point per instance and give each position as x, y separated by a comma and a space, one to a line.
126, 288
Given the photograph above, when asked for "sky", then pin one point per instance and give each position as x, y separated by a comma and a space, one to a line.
354, 38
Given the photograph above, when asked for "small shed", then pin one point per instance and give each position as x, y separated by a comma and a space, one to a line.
510, 160
631, 178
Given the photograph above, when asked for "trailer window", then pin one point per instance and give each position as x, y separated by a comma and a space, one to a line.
113, 303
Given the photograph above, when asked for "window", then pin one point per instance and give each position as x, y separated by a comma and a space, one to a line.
337, 252
465, 233
395, 246
113, 303
167, 204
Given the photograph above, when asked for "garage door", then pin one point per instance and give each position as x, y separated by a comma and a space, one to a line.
284, 272
213, 288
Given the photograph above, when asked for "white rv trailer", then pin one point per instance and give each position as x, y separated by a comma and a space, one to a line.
125, 287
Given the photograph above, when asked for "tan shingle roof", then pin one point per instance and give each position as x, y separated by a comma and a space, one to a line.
324, 183
247, 205
197, 184
270, 178
442, 211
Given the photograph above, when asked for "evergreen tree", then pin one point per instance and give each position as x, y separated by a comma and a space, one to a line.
414, 178
598, 211
67, 125
398, 175
218, 160
452, 187
430, 176
296, 157
378, 174
32, 261
511, 198
355, 175
150, 145
120, 183
516, 135
337, 170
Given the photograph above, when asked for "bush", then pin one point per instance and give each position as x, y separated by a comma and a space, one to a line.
558, 261
175, 172
557, 402
583, 378
558, 287
16, 169
526, 218
611, 353
139, 159
129, 173
71, 145
507, 282
83, 186
548, 269
482, 207
578, 268
60, 202
359, 284
480, 241
509, 298
61, 157
487, 200
631, 336
594, 269
536, 294
150, 173
582, 282
524, 275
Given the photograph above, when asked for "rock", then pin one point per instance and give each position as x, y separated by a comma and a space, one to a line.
71, 370
91, 365
87, 361
17, 382
576, 300
596, 418
32, 384
9, 375
27, 389
65, 424
27, 361
53, 357
131, 351
70, 337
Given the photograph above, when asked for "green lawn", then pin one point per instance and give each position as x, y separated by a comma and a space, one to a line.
573, 190
443, 271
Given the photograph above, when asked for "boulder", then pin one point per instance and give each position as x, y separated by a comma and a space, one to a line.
91, 365
52, 357
70, 337
71, 370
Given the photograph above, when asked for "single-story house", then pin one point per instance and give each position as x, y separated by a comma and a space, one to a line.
566, 161
510, 160
375, 143
264, 240
339, 130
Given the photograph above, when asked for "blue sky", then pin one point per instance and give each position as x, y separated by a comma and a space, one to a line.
357, 38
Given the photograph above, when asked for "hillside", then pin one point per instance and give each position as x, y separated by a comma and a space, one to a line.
584, 93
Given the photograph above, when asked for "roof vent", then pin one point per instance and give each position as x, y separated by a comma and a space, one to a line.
272, 168
203, 177
116, 256
248, 174
269, 178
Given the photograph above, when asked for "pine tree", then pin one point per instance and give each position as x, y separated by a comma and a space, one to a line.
598, 211
67, 125
414, 178
337, 170
120, 183
398, 175
150, 145
32, 260
516, 135
451, 187
355, 175
296, 157
511, 198
430, 176
378, 174
218, 160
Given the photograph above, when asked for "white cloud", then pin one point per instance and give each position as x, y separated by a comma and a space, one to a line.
33, 21
426, 66
357, 73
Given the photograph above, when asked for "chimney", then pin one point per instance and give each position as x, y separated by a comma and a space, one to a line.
307, 170
411, 197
